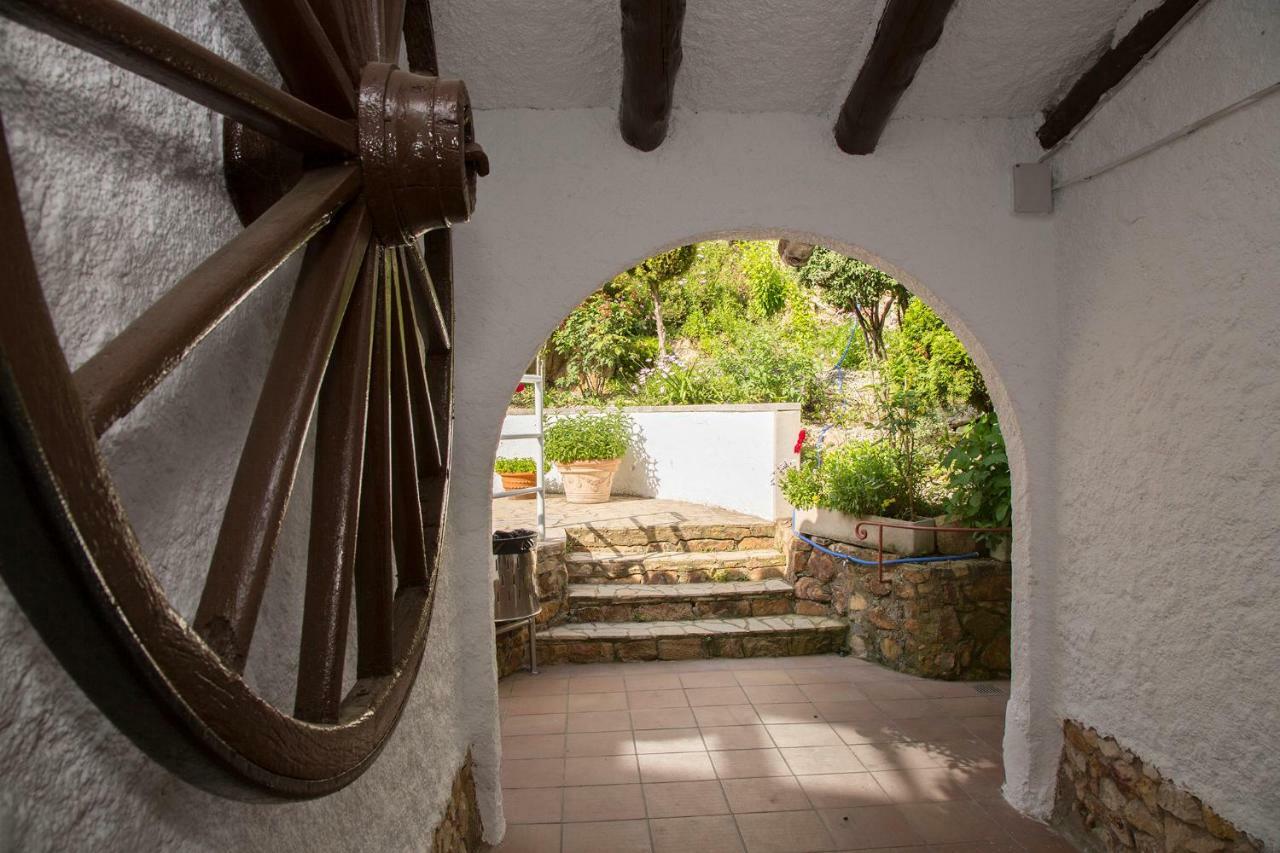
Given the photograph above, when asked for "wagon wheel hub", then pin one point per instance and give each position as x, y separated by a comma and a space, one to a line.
417, 151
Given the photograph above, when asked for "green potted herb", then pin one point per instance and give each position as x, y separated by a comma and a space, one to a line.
518, 472
587, 449
981, 489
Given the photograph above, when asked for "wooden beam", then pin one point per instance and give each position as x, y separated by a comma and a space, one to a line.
1111, 69
907, 31
650, 59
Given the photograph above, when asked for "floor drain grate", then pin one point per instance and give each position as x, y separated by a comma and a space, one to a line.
985, 689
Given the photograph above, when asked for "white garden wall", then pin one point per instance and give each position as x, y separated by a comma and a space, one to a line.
717, 455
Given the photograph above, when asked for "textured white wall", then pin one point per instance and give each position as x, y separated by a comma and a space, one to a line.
716, 455
122, 191
1168, 456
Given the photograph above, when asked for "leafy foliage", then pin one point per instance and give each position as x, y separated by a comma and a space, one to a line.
517, 465
924, 355
600, 339
982, 492
852, 286
590, 435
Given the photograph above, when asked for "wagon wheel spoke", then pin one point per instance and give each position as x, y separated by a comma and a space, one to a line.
375, 556
303, 54
428, 441
439, 358
260, 492
135, 42
124, 371
392, 27
423, 287
350, 31
411, 554
420, 38
335, 505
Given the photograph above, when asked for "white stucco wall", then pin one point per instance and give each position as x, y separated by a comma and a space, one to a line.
568, 205
716, 455
122, 192
1168, 456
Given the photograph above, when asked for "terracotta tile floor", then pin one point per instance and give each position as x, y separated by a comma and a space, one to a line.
766, 755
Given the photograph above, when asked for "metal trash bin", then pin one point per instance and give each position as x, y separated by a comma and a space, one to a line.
515, 590
515, 593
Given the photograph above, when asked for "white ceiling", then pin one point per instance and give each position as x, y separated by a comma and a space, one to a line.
995, 58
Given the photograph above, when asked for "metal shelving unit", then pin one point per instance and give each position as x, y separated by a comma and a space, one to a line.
540, 490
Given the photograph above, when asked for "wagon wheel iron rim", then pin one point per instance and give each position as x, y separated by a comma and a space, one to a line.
366, 165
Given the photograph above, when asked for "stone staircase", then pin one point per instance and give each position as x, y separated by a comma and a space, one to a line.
680, 591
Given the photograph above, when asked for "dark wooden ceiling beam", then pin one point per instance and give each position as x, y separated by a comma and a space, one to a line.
907, 31
650, 59
1111, 69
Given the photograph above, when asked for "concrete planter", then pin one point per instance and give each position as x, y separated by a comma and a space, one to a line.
831, 524
955, 543
589, 481
520, 480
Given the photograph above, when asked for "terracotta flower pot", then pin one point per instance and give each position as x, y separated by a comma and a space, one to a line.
589, 481
520, 480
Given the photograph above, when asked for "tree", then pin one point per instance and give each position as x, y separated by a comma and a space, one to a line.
655, 272
860, 289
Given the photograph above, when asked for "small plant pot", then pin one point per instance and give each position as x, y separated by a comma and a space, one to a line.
955, 542
520, 480
589, 481
914, 541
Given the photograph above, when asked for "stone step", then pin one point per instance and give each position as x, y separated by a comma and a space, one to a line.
767, 636
675, 566
657, 602
680, 536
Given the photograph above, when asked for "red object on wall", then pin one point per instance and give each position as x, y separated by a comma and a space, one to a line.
800, 441
519, 387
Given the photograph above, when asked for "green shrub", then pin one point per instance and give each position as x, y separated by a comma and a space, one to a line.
858, 478
517, 465
926, 356
981, 488
590, 435
801, 484
862, 478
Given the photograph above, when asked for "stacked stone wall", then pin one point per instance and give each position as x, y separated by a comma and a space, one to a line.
1109, 799
460, 830
948, 619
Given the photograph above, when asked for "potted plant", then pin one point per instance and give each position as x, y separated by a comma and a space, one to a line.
518, 472
587, 449
857, 482
981, 490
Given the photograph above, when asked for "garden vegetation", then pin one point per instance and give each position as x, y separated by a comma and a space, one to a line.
751, 321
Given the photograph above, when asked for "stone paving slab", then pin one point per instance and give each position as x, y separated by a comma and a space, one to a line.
676, 567
621, 512
667, 592
750, 625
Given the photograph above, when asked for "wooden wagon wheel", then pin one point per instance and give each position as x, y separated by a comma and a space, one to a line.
386, 155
